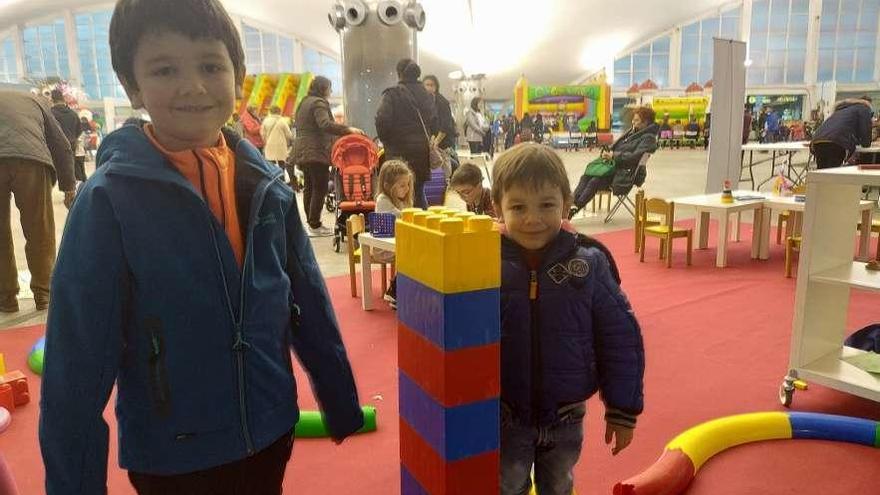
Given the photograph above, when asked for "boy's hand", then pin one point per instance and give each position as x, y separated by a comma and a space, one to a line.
355, 130
621, 434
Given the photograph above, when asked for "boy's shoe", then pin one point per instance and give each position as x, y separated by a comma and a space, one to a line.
9, 305
320, 232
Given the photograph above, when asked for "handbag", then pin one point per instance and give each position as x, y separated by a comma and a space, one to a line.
436, 157
600, 167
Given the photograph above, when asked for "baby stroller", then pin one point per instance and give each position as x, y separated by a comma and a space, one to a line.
354, 158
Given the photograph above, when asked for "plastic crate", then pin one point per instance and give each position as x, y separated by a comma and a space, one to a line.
382, 224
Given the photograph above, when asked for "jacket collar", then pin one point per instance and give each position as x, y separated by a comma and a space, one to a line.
127, 151
561, 246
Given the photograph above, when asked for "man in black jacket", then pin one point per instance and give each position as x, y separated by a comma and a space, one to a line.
70, 124
406, 118
849, 126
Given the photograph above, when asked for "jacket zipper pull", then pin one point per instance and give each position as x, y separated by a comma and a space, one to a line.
533, 285
240, 344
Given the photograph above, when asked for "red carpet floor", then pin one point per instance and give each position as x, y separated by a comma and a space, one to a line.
717, 343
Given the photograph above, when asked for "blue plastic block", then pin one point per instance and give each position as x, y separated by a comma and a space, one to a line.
408, 483
831, 427
456, 432
455, 321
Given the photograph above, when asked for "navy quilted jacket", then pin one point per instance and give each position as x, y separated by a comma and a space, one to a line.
578, 336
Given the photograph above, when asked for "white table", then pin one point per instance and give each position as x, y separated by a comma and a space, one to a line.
780, 203
368, 243
786, 149
706, 204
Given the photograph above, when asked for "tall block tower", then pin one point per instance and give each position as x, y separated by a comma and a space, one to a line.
448, 304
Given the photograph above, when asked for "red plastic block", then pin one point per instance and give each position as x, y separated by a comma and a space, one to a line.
7, 399
476, 475
451, 378
18, 382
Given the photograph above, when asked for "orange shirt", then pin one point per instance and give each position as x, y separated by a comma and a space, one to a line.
211, 171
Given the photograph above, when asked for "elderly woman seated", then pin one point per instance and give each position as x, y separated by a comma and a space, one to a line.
626, 153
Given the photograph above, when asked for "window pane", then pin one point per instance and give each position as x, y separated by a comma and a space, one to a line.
826, 65
661, 45
865, 65
640, 62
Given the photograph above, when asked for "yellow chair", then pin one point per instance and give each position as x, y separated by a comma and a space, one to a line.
353, 226
792, 244
666, 230
784, 217
640, 197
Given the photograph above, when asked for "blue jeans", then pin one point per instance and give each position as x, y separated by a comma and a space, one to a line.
553, 450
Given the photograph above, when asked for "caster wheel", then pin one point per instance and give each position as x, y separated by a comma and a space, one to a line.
786, 393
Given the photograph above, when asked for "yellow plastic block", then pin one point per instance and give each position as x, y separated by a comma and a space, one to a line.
449, 251
2, 365
703, 441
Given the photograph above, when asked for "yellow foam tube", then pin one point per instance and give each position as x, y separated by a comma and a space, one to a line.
702, 442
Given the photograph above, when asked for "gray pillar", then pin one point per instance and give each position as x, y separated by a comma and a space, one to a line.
374, 36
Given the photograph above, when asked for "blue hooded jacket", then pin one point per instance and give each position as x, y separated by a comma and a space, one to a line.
577, 336
147, 294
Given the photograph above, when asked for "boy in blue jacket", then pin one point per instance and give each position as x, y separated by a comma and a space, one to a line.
567, 329
185, 277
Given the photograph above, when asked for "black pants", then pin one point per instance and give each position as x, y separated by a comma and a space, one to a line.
476, 147
828, 155
79, 168
316, 177
261, 474
587, 188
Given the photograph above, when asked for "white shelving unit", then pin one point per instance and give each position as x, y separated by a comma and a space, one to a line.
826, 276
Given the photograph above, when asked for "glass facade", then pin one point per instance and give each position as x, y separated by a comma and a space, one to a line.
92, 38
651, 61
696, 44
45, 50
778, 42
8, 67
320, 64
848, 40
267, 52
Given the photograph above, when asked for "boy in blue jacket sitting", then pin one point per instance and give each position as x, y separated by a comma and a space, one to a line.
567, 329
185, 277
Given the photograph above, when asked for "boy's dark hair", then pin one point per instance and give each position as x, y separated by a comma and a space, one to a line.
529, 165
319, 87
57, 96
196, 19
467, 174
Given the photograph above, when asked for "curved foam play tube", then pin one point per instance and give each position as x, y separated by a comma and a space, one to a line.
687, 452
35, 357
311, 423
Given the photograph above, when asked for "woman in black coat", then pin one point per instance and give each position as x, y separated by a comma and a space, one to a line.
316, 130
405, 119
626, 152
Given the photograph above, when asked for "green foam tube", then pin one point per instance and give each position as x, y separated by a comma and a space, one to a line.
311, 423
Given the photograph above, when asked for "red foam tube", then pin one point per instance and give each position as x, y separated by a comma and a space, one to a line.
670, 475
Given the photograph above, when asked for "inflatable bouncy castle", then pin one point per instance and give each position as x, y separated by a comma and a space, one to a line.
285, 91
589, 103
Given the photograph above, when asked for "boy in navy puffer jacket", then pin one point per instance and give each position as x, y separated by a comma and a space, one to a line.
567, 329
185, 278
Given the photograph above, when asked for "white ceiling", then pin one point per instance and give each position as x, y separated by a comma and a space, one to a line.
550, 41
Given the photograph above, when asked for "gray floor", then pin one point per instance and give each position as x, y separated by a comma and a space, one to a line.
671, 173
